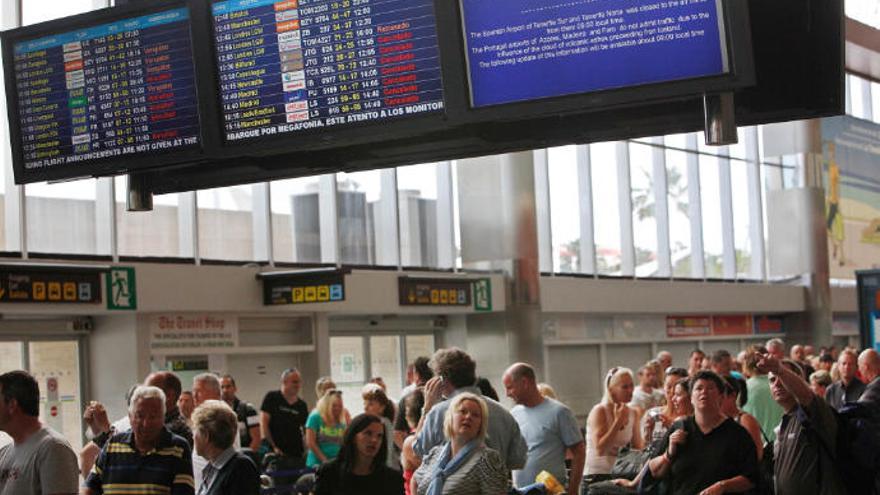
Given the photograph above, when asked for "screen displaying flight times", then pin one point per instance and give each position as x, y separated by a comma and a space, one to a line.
295, 65
116, 89
522, 50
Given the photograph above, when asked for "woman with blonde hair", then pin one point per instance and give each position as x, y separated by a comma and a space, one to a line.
324, 384
325, 428
463, 465
612, 425
547, 391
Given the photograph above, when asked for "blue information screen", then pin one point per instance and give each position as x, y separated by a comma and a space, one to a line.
116, 89
292, 65
521, 50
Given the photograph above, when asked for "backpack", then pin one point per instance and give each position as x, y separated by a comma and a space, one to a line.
857, 457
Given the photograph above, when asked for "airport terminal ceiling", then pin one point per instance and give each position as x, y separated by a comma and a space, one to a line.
359, 88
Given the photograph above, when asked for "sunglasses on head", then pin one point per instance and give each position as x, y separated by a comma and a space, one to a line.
613, 371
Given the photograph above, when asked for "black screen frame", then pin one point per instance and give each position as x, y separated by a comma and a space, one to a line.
99, 166
458, 112
323, 138
736, 44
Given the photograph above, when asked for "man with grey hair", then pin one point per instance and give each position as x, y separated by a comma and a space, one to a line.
665, 359
206, 386
129, 461
849, 388
283, 417
776, 348
96, 419
215, 426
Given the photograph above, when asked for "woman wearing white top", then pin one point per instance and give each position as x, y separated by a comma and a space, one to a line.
612, 424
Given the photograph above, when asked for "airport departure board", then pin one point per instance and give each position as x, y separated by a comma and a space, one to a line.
513, 45
116, 89
294, 65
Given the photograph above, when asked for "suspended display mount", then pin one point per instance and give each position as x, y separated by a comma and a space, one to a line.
291, 88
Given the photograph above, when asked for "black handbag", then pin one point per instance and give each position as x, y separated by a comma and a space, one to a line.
629, 463
766, 486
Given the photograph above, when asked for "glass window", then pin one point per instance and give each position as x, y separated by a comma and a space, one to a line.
33, 11
742, 231
359, 219
61, 218
738, 150
419, 345
790, 176
226, 223
150, 233
10, 356
59, 360
702, 147
678, 141
385, 363
856, 95
875, 101
417, 215
10, 360
644, 206
864, 11
456, 218
348, 371
679, 213
606, 208
564, 209
710, 196
296, 221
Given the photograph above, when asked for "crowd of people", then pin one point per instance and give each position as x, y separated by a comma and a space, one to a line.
762, 422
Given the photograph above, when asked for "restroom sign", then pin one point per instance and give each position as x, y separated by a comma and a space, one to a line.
121, 289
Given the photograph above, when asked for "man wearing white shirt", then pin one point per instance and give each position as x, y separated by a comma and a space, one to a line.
206, 387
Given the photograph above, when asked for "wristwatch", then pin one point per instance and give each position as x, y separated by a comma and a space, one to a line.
101, 438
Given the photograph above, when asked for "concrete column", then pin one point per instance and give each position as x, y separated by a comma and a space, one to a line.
329, 226
808, 202
387, 223
261, 228
499, 231
105, 217
188, 225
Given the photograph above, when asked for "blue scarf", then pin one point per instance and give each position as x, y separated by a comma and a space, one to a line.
446, 467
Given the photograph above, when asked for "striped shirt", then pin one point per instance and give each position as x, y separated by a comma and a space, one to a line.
483, 472
122, 470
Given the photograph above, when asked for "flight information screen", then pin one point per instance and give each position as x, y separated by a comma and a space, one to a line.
288, 66
111, 90
521, 50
